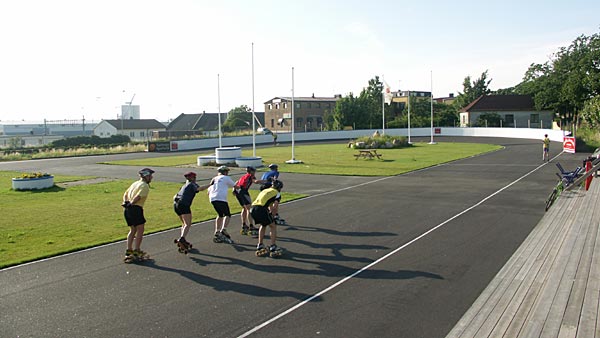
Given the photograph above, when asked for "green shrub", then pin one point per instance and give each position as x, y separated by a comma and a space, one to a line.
379, 142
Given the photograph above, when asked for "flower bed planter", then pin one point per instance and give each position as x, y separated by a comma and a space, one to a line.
206, 160
255, 162
34, 183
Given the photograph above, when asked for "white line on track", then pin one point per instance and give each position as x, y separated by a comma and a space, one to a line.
347, 278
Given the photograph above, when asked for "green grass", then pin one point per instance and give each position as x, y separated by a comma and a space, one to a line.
337, 159
44, 223
38, 224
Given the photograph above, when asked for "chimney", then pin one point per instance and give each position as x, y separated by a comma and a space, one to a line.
313, 95
451, 94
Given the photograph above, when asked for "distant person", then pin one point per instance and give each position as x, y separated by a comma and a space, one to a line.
217, 193
243, 196
182, 204
546, 149
269, 177
133, 203
262, 215
274, 139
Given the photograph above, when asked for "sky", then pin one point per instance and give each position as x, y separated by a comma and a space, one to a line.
73, 59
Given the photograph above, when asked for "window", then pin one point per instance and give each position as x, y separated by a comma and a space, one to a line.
510, 120
298, 105
317, 105
535, 118
132, 134
141, 134
298, 121
272, 123
276, 105
319, 121
270, 106
285, 105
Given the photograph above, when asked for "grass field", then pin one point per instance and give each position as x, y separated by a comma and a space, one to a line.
38, 224
337, 159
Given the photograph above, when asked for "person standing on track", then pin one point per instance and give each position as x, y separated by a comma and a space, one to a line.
182, 203
546, 149
243, 197
262, 215
217, 194
133, 203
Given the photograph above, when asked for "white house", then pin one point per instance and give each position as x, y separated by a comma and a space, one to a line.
517, 111
137, 130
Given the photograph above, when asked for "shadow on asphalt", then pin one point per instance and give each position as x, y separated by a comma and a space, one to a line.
336, 232
229, 286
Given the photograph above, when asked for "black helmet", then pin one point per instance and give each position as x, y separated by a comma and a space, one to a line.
278, 185
273, 166
223, 169
145, 172
250, 169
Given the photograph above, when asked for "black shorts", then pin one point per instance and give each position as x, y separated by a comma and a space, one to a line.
243, 197
222, 208
182, 209
134, 215
261, 215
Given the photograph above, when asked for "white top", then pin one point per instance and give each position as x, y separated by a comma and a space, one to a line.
220, 187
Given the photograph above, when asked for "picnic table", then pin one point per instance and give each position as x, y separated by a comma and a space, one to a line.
367, 154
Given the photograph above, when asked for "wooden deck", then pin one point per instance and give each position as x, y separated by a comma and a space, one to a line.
550, 287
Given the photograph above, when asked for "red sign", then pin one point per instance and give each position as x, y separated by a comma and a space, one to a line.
438, 130
569, 144
174, 146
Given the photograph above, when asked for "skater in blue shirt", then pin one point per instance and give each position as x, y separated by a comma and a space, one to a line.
182, 204
269, 177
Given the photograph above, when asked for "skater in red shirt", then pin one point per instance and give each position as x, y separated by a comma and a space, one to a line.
243, 196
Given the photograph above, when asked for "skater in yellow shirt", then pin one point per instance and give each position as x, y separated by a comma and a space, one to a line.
261, 215
133, 203
546, 149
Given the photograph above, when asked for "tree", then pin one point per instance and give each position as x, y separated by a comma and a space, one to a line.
238, 118
488, 120
591, 112
568, 80
472, 90
359, 112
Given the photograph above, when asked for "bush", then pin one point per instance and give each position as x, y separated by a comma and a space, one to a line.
587, 139
79, 141
380, 142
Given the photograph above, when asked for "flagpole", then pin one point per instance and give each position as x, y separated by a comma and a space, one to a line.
253, 115
383, 105
219, 107
409, 117
293, 160
431, 81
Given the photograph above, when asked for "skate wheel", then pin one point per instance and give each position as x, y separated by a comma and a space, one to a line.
175, 241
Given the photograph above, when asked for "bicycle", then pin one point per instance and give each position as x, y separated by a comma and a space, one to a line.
560, 186
565, 178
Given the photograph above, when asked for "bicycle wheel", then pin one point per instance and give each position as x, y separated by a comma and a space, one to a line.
551, 199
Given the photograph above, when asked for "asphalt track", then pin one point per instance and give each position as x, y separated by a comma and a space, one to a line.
401, 256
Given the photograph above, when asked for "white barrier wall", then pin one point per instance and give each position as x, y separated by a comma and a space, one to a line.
525, 133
